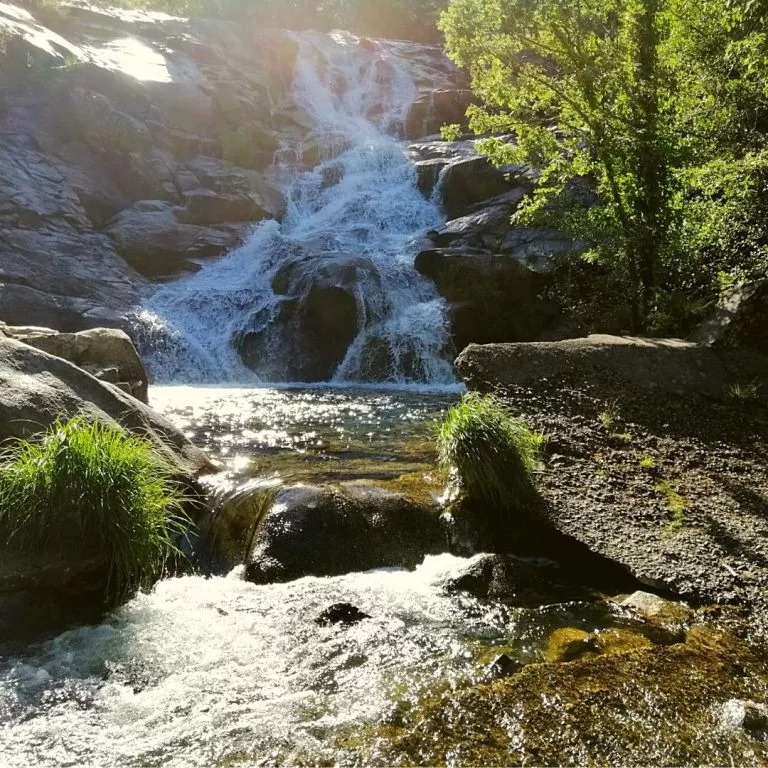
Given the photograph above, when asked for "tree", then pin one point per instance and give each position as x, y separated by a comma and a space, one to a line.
661, 103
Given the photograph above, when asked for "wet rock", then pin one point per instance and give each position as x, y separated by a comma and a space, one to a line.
317, 320
569, 644
434, 110
470, 181
658, 610
749, 715
107, 353
492, 297
328, 531
37, 388
345, 614
501, 667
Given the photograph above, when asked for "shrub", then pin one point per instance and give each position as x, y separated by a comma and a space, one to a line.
492, 452
88, 490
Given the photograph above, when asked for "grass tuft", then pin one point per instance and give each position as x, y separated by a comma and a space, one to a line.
745, 393
492, 453
90, 490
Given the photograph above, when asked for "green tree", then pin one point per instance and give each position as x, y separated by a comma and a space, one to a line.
658, 102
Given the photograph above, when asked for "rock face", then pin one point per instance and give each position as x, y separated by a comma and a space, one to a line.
37, 388
495, 276
133, 145
652, 464
314, 531
740, 320
106, 353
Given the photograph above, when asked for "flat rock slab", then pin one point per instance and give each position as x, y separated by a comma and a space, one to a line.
672, 485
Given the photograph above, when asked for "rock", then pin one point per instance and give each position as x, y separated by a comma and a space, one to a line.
329, 531
318, 319
37, 388
153, 241
345, 614
501, 667
740, 320
107, 353
470, 181
436, 109
492, 297
739, 713
486, 228
569, 644
656, 609
205, 207
662, 365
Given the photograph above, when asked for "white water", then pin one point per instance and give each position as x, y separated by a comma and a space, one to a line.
356, 98
203, 670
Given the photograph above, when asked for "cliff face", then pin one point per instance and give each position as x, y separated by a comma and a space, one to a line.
135, 145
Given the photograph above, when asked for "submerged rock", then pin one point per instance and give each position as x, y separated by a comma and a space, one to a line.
328, 531
345, 614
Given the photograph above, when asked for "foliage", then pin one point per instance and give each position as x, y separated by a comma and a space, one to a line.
661, 106
90, 490
648, 462
492, 452
609, 415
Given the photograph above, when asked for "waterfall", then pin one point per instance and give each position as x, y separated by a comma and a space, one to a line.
342, 258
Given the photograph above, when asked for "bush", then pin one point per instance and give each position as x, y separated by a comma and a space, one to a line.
90, 490
492, 453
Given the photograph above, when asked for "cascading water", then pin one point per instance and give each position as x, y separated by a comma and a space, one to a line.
345, 250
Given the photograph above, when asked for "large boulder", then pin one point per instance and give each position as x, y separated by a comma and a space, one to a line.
37, 388
107, 353
324, 531
319, 316
492, 297
740, 320
598, 361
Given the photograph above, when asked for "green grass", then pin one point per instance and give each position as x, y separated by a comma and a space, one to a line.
648, 462
609, 415
89, 490
744, 393
492, 453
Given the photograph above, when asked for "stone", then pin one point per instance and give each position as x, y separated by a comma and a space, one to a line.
107, 353
658, 610
470, 181
206, 207
344, 614
740, 320
570, 644
492, 297
501, 667
37, 388
329, 531
660, 365
153, 241
317, 320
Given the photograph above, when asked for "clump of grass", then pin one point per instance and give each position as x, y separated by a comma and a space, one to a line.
609, 415
648, 462
678, 505
492, 453
90, 490
744, 393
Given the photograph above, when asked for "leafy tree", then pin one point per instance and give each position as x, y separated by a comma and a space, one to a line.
637, 96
